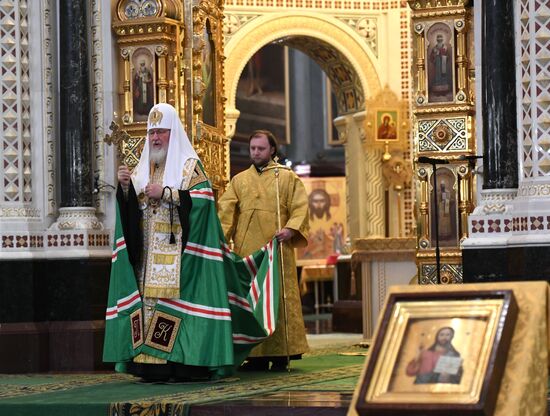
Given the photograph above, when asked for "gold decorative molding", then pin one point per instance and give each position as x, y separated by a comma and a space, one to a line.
444, 128
133, 32
441, 13
468, 109
386, 105
172, 52
360, 7
139, 9
208, 89
439, 5
451, 133
451, 253
454, 27
235, 22
270, 27
212, 150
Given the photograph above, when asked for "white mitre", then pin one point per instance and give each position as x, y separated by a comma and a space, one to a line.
180, 150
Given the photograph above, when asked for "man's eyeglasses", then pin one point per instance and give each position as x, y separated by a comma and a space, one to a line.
158, 132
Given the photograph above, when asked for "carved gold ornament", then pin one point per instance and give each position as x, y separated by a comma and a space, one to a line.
155, 117
441, 134
171, 36
444, 128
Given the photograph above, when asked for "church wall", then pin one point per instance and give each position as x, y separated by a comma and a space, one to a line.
53, 278
30, 191
23, 181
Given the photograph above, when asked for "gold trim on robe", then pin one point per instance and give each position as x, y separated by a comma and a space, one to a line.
159, 274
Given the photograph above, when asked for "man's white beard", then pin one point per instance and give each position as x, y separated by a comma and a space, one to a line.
158, 155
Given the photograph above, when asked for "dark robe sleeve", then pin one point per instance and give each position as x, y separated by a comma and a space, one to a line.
184, 209
130, 215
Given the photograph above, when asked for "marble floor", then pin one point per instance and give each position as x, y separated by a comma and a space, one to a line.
294, 403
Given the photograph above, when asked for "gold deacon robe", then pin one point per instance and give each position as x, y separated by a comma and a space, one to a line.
248, 214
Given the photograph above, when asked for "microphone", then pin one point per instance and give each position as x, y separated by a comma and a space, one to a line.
95, 190
100, 185
432, 160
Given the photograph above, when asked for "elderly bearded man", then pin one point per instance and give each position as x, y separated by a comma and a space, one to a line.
178, 305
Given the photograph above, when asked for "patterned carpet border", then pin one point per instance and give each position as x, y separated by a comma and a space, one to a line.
178, 404
8, 391
331, 350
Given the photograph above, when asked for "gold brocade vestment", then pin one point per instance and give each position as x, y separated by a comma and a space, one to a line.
248, 214
157, 277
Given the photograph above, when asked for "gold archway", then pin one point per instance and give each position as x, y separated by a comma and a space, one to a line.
279, 26
365, 201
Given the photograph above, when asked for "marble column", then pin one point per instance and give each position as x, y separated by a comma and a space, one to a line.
510, 230
75, 133
74, 102
498, 95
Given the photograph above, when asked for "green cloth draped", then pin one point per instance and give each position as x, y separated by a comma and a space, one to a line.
227, 303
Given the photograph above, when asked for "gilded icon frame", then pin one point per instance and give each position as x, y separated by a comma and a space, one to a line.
480, 325
387, 131
440, 62
143, 76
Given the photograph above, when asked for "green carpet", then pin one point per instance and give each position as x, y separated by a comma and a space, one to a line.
119, 394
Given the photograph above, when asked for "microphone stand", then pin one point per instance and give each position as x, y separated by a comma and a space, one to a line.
436, 224
434, 162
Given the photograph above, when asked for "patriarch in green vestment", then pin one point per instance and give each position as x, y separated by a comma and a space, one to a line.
181, 304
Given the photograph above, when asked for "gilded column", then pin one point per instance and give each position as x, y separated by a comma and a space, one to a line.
443, 123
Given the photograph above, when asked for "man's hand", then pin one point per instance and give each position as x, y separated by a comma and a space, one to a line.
123, 175
284, 235
153, 191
